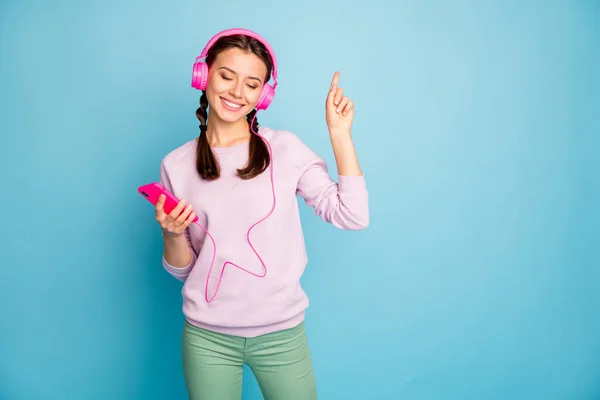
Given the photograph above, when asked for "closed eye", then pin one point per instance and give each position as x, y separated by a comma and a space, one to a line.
229, 79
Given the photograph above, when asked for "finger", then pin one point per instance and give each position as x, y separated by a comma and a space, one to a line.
183, 216
333, 87
189, 219
177, 210
349, 107
338, 96
160, 203
335, 80
159, 214
342, 104
186, 223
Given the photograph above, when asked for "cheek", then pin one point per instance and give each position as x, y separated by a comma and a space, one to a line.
217, 86
253, 94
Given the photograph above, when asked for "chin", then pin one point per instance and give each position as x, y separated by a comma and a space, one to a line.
228, 117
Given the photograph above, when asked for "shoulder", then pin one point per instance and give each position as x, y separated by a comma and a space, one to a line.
180, 154
278, 136
291, 145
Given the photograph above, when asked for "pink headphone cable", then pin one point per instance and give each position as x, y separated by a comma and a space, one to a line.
247, 234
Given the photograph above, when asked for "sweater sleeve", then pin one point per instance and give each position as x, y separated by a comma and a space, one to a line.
344, 204
179, 273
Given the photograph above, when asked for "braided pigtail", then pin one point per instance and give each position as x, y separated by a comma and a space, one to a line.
258, 153
206, 164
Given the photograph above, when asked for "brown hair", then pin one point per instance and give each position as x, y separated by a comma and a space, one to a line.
258, 153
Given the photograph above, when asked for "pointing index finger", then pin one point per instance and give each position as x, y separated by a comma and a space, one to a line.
334, 81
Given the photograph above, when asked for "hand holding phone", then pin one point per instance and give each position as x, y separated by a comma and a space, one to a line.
171, 213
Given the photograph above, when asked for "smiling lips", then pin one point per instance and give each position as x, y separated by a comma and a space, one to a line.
231, 105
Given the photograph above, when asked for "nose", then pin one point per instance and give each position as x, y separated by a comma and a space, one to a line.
236, 88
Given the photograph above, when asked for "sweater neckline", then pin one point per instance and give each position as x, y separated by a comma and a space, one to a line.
234, 148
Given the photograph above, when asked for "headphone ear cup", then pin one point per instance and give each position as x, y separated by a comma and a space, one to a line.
266, 97
200, 76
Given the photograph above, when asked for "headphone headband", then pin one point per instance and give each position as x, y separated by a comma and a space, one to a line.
247, 32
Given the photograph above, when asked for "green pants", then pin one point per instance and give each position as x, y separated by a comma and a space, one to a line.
281, 362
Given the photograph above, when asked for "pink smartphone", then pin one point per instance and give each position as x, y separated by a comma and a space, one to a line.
152, 191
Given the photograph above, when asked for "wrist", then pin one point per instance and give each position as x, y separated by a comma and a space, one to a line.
340, 134
170, 235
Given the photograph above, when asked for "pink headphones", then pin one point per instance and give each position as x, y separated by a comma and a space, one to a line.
200, 70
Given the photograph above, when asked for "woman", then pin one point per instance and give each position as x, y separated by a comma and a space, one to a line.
242, 297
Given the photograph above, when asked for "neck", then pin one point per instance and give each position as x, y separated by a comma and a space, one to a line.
226, 134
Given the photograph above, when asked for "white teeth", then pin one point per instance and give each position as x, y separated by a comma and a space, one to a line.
230, 104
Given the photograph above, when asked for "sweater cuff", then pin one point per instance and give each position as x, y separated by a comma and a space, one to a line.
180, 273
352, 184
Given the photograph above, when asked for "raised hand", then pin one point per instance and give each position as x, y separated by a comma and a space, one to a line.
339, 109
176, 222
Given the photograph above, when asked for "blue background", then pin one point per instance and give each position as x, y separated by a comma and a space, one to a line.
477, 128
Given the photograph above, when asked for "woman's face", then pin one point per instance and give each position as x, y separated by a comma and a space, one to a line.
235, 81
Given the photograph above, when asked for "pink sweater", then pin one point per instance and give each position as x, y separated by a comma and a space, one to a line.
246, 305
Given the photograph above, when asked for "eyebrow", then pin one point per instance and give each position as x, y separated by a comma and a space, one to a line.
233, 72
